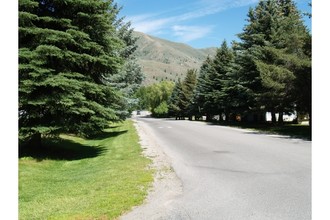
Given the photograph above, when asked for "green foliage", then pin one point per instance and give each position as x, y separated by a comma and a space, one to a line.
128, 81
129, 78
268, 70
175, 101
202, 86
152, 96
211, 95
272, 43
161, 110
69, 51
188, 87
181, 100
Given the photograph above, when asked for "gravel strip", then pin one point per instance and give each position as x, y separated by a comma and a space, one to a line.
166, 186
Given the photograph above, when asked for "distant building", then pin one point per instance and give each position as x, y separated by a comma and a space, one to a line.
286, 117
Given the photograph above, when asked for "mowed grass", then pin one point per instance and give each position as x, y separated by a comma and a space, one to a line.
77, 178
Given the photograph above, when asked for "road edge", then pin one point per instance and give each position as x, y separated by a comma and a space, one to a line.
166, 185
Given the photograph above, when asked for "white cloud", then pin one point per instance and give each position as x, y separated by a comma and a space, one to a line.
190, 33
156, 22
227, 3
150, 26
141, 17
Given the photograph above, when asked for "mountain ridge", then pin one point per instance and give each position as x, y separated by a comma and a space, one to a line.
162, 59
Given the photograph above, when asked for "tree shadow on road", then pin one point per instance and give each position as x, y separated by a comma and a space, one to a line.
287, 129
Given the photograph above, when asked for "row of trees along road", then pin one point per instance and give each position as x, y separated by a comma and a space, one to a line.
76, 70
269, 70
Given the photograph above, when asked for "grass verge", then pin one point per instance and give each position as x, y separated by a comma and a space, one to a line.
75, 178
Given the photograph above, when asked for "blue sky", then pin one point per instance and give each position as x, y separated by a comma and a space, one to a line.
199, 23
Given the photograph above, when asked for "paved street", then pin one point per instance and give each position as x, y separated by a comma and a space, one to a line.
230, 173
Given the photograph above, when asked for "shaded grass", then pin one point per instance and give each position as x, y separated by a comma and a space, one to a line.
99, 178
292, 130
60, 149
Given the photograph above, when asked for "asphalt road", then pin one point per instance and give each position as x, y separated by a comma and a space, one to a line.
230, 173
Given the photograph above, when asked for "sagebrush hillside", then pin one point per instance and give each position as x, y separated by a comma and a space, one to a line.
165, 60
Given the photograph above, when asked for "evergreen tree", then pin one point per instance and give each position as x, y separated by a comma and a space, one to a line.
202, 88
298, 47
284, 59
223, 66
303, 83
128, 80
275, 31
182, 98
211, 92
174, 104
277, 80
213, 86
188, 87
67, 52
236, 94
208, 89
255, 35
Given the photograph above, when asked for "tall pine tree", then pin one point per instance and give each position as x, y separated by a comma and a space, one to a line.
211, 92
202, 88
182, 98
274, 32
223, 66
67, 52
187, 95
128, 80
174, 104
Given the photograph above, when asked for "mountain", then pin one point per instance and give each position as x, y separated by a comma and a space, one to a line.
165, 60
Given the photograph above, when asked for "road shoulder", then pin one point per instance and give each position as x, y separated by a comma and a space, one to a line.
166, 186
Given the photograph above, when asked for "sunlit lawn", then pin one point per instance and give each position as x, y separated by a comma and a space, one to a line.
76, 178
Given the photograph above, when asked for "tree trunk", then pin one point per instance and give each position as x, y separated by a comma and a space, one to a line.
35, 140
273, 117
226, 117
262, 117
280, 117
298, 117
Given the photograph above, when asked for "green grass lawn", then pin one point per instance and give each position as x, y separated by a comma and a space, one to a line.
75, 178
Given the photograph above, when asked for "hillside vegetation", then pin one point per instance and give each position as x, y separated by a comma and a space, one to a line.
165, 60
